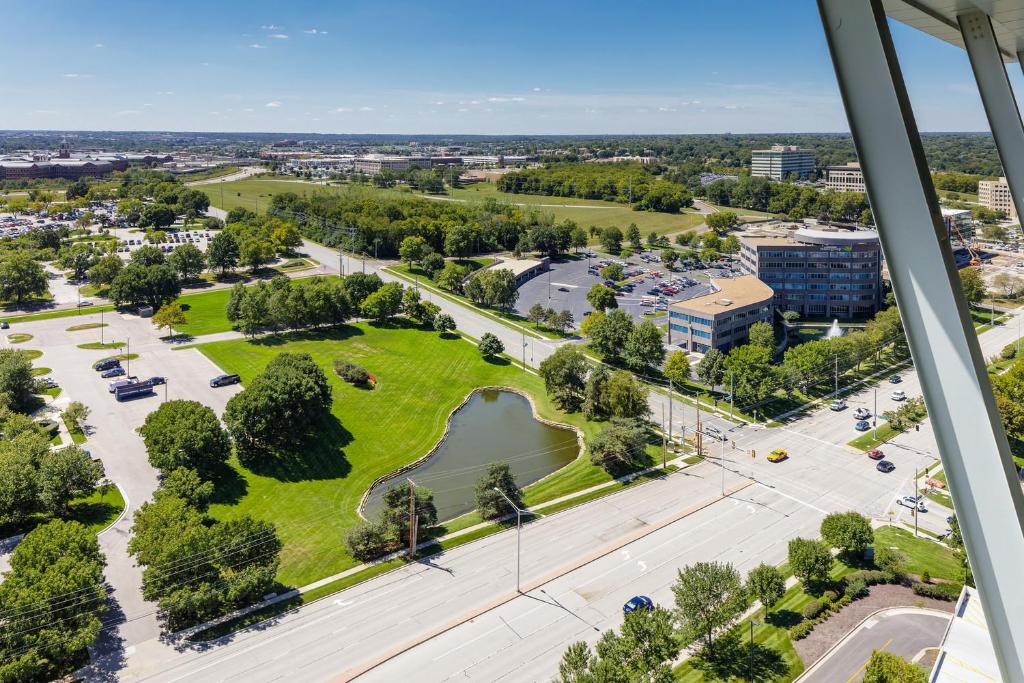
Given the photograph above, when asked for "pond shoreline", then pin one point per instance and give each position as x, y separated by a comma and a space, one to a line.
395, 474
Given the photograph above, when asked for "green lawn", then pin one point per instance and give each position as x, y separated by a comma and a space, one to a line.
205, 312
96, 512
256, 193
100, 346
422, 377
939, 560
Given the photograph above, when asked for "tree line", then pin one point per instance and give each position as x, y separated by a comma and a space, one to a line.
627, 183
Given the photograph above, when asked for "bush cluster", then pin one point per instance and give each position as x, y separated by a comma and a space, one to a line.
938, 591
350, 372
284, 304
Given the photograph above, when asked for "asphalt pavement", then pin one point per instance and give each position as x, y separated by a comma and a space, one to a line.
903, 631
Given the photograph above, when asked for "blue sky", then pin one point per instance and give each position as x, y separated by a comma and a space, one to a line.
386, 66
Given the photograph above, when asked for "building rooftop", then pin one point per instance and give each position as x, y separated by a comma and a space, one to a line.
966, 654
946, 211
781, 234
518, 266
729, 294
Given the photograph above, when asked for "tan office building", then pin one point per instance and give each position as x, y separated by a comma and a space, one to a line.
848, 178
721, 319
995, 194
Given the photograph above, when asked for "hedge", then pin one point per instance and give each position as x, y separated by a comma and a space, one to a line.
938, 591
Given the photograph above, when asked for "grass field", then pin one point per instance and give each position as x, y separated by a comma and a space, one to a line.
939, 560
253, 194
96, 512
422, 378
204, 312
63, 313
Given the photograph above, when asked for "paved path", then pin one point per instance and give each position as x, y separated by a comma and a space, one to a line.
241, 174
901, 631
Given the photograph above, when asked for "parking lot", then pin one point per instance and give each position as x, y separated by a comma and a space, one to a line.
565, 286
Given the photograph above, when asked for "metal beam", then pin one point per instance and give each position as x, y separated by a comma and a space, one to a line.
972, 444
997, 96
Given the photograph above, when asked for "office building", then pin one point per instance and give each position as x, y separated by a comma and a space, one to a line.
959, 223
373, 164
72, 167
817, 271
781, 162
995, 194
722, 318
847, 178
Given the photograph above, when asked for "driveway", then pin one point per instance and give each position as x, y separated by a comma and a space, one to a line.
902, 631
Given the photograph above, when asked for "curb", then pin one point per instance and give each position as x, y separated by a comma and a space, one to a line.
124, 510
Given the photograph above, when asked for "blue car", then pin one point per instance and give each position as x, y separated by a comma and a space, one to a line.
862, 426
112, 372
638, 602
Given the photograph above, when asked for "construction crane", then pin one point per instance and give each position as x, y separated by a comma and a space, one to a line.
975, 259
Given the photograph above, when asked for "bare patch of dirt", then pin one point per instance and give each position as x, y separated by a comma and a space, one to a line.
832, 630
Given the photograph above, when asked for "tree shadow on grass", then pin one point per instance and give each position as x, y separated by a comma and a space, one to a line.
317, 455
497, 360
321, 334
229, 486
733, 658
784, 618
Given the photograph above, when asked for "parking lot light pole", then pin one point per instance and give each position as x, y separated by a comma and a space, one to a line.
519, 528
128, 355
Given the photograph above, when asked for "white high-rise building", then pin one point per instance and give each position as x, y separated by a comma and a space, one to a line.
782, 161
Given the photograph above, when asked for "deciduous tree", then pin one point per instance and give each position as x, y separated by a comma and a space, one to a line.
709, 596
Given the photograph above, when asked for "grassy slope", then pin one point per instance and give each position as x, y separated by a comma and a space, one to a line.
205, 312
924, 554
422, 378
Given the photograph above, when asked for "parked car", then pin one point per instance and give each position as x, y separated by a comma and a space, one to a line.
116, 371
106, 364
224, 380
862, 413
885, 466
913, 502
875, 454
895, 379
838, 405
638, 602
862, 426
899, 396
5, 325
157, 380
83, 304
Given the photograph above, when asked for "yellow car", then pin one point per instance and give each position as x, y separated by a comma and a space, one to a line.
778, 455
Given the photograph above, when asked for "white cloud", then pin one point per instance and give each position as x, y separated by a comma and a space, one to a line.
44, 111
129, 112
731, 106
99, 45
505, 99
474, 101
273, 105
438, 103
536, 90
270, 27
279, 36
147, 104
257, 46
667, 109
366, 109
72, 76
247, 109
315, 32
342, 110
463, 109
165, 92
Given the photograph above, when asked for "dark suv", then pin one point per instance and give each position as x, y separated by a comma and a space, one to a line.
224, 380
106, 364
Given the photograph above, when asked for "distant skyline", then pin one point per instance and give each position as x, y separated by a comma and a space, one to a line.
404, 67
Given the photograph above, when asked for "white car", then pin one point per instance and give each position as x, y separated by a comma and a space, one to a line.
912, 502
862, 413
838, 405
714, 432
899, 396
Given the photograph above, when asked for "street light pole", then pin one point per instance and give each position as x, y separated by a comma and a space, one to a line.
874, 418
750, 657
519, 528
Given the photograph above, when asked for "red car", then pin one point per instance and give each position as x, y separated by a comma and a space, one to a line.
875, 454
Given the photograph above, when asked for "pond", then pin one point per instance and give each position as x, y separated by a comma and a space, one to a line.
494, 425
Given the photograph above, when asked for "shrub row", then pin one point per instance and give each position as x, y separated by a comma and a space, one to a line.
855, 587
938, 591
350, 372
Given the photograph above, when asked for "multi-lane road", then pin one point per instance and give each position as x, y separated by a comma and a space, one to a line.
458, 614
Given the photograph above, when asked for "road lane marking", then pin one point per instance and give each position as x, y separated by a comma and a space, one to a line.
865, 664
792, 498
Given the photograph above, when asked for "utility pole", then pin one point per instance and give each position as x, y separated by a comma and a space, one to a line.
664, 438
341, 263
723, 466
916, 503
524, 350
412, 519
837, 374
874, 418
128, 356
670, 386
732, 393
101, 326
165, 390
